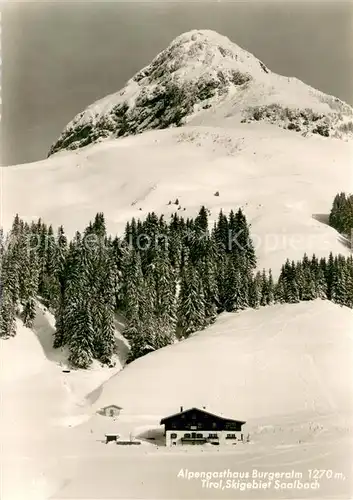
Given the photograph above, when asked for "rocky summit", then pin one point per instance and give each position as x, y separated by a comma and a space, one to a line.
202, 78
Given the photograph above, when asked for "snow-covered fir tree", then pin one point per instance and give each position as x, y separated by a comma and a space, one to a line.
255, 291
31, 289
172, 287
207, 271
191, 301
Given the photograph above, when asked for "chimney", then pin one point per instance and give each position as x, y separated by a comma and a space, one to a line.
181, 409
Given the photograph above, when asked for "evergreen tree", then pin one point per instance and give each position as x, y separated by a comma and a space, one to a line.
191, 308
82, 335
102, 300
141, 330
264, 288
244, 244
42, 256
255, 291
237, 288
341, 284
280, 292
31, 290
133, 285
118, 251
270, 289
339, 287
330, 275
99, 226
320, 284
104, 342
10, 280
221, 233
208, 275
307, 282
49, 285
290, 285
164, 283
61, 276
201, 221
7, 314
341, 215
175, 250
221, 266
349, 282
10, 275
2, 245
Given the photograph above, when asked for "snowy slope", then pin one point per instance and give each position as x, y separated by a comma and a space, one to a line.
284, 369
284, 182
31, 368
39, 404
202, 78
278, 360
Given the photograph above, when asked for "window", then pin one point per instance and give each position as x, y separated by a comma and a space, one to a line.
112, 413
214, 425
199, 435
231, 436
186, 435
213, 436
173, 435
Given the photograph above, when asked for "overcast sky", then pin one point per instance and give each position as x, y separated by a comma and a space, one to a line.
59, 57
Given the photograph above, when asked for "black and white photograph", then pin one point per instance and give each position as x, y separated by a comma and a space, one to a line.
176, 250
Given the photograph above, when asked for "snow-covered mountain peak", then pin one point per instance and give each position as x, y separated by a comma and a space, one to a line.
202, 78
200, 52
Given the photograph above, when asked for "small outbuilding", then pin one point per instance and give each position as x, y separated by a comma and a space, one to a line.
109, 437
110, 411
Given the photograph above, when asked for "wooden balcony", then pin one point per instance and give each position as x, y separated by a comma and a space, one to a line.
199, 440
194, 440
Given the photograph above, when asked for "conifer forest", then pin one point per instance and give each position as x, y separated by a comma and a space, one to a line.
166, 278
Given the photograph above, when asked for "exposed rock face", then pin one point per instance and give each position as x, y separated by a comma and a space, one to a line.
202, 77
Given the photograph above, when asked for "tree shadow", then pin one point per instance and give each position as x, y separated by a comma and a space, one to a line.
323, 218
122, 347
153, 436
93, 396
344, 240
44, 332
347, 242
